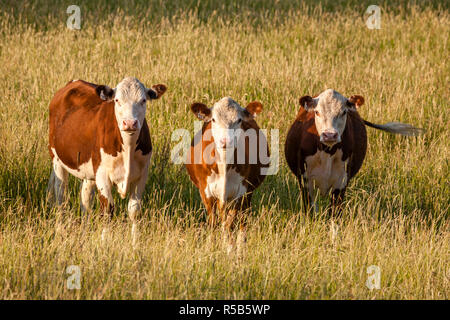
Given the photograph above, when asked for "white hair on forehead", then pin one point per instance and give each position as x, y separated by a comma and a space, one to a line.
130, 89
331, 101
227, 110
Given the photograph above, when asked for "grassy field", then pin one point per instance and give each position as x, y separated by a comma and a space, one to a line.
397, 208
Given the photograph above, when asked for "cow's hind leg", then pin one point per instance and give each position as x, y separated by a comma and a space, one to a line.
87, 195
58, 182
51, 187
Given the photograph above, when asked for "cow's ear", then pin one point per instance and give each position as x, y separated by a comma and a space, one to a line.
201, 111
308, 103
355, 101
105, 92
253, 109
156, 91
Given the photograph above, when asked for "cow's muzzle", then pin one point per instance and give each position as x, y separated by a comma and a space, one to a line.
329, 138
129, 125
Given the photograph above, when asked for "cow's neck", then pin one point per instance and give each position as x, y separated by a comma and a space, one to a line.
222, 168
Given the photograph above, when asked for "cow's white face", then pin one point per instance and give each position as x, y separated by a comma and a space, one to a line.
330, 109
130, 103
226, 118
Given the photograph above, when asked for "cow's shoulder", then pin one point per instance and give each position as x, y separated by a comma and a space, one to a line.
197, 167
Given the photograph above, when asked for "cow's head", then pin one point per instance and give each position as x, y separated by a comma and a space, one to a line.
130, 103
330, 108
226, 117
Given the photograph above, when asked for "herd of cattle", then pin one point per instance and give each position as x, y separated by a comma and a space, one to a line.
100, 135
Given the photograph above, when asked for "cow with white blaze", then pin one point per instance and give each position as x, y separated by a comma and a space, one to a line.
100, 135
326, 145
225, 163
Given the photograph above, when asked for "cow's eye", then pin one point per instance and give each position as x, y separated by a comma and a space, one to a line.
117, 101
344, 113
143, 101
317, 113
213, 120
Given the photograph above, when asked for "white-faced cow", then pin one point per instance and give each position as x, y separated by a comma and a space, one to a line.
224, 162
100, 135
326, 145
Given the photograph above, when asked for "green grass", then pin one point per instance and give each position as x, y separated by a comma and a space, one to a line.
396, 209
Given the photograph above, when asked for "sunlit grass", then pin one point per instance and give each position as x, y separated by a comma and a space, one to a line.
396, 214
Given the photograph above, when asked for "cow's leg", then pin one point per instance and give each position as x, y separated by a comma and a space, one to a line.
312, 194
51, 187
244, 211
228, 219
87, 195
60, 177
134, 204
211, 208
337, 198
104, 188
303, 183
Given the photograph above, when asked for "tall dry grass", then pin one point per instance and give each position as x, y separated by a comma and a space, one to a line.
396, 214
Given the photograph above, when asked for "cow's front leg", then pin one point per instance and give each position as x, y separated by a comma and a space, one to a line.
244, 208
104, 188
303, 184
312, 194
228, 216
135, 206
211, 208
337, 199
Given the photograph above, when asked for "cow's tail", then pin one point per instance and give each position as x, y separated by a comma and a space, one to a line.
396, 127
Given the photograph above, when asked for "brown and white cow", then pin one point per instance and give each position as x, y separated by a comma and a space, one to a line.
100, 135
224, 162
326, 145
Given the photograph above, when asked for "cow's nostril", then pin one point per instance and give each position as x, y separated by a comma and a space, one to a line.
130, 125
330, 136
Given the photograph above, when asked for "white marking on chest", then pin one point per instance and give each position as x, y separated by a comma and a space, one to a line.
326, 171
226, 185
124, 169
